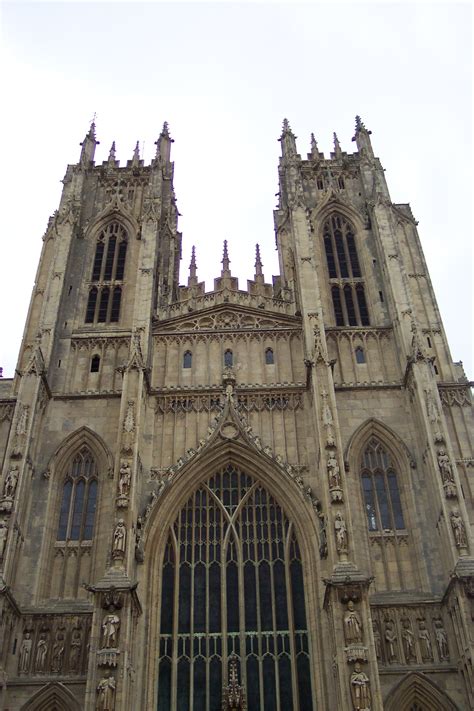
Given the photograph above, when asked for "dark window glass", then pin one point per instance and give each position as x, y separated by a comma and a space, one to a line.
64, 514
360, 356
95, 364
336, 301
395, 500
164, 685
382, 500
380, 480
351, 314
369, 501
122, 253
109, 260
104, 302
187, 359
77, 511
354, 260
330, 256
115, 310
76, 517
340, 182
90, 511
341, 254
269, 358
364, 314
99, 253
228, 359
90, 311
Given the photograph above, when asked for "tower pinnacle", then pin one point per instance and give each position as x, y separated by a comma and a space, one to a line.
258, 263
362, 138
192, 279
337, 146
287, 139
88, 145
163, 144
225, 261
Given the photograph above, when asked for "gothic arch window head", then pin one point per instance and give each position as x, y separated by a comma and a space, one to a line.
345, 275
108, 269
360, 355
228, 358
79, 499
187, 359
95, 363
232, 583
380, 489
269, 356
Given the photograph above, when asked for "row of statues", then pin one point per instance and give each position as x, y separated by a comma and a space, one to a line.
410, 640
45, 658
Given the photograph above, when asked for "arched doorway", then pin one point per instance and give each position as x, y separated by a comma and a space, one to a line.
416, 692
232, 584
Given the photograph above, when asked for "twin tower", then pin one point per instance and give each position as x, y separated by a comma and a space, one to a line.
238, 499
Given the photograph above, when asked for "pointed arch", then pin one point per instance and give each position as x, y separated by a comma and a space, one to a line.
111, 214
73, 442
52, 697
416, 688
334, 204
388, 436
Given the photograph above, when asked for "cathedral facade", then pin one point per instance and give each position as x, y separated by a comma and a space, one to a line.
252, 498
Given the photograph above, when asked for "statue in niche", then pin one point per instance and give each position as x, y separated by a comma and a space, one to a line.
445, 467
431, 407
352, 625
120, 537
11, 481
110, 627
3, 537
125, 479
392, 641
459, 530
41, 653
25, 653
425, 642
408, 641
441, 640
341, 533
326, 413
333, 472
106, 694
75, 650
377, 640
360, 689
58, 652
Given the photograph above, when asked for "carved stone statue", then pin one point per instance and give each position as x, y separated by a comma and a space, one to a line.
333, 472
408, 641
120, 538
341, 533
360, 689
41, 654
106, 694
441, 640
110, 627
445, 467
11, 481
391, 639
25, 653
459, 530
58, 653
425, 641
377, 640
125, 479
3, 538
352, 625
75, 650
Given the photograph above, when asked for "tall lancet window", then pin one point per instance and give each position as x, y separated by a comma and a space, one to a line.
77, 514
105, 292
232, 583
380, 488
345, 276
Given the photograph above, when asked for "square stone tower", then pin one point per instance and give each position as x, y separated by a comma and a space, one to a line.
253, 498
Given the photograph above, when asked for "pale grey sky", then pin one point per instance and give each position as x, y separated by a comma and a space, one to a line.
224, 75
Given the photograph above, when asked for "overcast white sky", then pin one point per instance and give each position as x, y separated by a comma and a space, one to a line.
224, 75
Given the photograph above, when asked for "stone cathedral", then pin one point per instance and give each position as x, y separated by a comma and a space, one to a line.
253, 498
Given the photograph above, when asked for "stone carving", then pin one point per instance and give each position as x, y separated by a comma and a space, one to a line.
408, 640
75, 649
11, 481
360, 689
391, 640
20, 432
326, 410
426, 648
125, 479
334, 478
447, 475
58, 652
441, 640
25, 653
352, 625
41, 653
3, 538
106, 694
233, 696
431, 406
120, 539
459, 530
377, 640
110, 627
341, 533
129, 427
139, 552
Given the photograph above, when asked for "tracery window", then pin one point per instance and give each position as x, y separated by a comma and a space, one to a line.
269, 356
345, 276
228, 358
380, 488
79, 499
105, 293
232, 583
187, 359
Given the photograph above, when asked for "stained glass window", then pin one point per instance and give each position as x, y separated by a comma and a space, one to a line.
380, 489
108, 269
78, 505
232, 583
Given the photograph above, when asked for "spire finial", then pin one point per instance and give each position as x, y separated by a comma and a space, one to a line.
136, 152
286, 129
225, 261
88, 145
362, 138
258, 262
192, 268
165, 130
360, 125
314, 144
337, 145
163, 144
112, 153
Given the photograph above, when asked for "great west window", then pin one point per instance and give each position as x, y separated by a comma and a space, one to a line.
232, 583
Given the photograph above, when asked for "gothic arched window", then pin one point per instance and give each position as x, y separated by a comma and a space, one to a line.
108, 269
228, 358
348, 297
380, 487
232, 583
269, 356
187, 359
79, 499
95, 363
